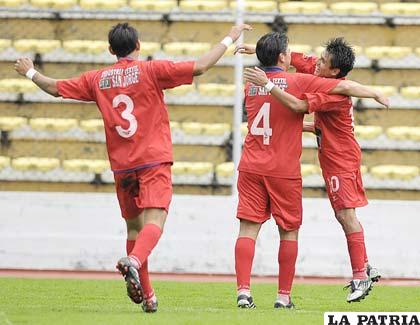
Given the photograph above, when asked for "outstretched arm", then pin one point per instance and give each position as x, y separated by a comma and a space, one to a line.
352, 88
210, 58
49, 85
245, 49
344, 87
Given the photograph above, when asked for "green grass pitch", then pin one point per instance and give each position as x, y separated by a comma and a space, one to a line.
54, 301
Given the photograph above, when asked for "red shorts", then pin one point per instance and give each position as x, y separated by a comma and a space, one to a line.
345, 190
260, 196
144, 188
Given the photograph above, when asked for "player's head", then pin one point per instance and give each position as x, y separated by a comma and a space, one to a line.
273, 49
123, 39
337, 60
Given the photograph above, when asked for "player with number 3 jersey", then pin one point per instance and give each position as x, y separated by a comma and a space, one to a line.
129, 95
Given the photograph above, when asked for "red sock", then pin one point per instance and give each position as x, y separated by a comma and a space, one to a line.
357, 251
288, 251
366, 257
244, 255
143, 274
146, 240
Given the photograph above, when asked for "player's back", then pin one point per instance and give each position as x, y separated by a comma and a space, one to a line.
273, 144
130, 98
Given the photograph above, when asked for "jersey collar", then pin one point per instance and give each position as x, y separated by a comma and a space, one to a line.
272, 69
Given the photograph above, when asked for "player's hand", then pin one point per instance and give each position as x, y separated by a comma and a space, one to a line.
236, 31
22, 65
256, 76
383, 100
245, 49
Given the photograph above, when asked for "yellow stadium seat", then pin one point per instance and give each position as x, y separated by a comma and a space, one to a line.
410, 92
181, 90
12, 3
91, 47
199, 168
257, 6
386, 90
53, 124
395, 172
300, 48
308, 135
93, 125
4, 162
363, 169
10, 123
192, 128
417, 51
35, 164
17, 86
225, 169
86, 165
174, 125
102, 4
186, 48
153, 5
404, 133
297, 7
4, 44
392, 52
216, 129
358, 50
367, 132
244, 129
149, 48
36, 45
398, 8
358, 8
212, 89
308, 169
179, 168
209, 5
54, 4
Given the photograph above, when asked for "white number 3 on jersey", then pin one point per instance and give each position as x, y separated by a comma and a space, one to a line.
265, 131
126, 115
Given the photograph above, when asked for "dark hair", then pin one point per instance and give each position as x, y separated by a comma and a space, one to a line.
123, 39
270, 46
342, 55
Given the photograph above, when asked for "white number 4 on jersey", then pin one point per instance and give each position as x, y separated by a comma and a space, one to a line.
265, 131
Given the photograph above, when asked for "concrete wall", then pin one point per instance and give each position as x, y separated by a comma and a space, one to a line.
84, 231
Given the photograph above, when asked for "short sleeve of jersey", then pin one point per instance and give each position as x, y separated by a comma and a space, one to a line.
81, 88
172, 74
303, 63
311, 84
319, 102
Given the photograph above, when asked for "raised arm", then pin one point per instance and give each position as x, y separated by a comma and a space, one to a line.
49, 85
245, 49
352, 88
209, 59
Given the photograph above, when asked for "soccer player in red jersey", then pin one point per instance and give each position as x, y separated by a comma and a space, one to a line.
269, 181
338, 151
130, 98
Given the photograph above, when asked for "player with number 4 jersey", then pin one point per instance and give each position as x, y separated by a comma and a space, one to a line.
338, 151
269, 180
129, 95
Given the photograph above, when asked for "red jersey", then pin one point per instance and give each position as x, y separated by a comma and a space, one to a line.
338, 149
273, 145
130, 98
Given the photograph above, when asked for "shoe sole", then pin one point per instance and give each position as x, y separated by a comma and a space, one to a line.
134, 289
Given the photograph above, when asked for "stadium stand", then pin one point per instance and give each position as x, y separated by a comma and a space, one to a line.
51, 144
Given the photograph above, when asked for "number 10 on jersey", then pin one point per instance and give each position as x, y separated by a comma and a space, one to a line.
265, 130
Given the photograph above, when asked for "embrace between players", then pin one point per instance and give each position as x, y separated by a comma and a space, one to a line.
129, 95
